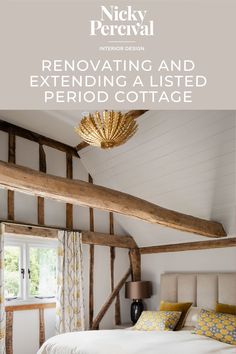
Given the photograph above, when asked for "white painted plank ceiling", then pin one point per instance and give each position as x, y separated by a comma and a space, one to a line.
181, 160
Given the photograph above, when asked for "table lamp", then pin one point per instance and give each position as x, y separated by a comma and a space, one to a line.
137, 290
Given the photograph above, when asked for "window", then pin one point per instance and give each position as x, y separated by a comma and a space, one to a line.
30, 269
12, 271
42, 271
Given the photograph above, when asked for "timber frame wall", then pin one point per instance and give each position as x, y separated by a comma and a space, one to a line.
40, 229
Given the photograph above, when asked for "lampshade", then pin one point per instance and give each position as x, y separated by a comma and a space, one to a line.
138, 290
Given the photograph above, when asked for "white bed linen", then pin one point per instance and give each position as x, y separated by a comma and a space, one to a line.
134, 342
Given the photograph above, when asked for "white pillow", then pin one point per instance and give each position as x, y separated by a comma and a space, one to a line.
192, 317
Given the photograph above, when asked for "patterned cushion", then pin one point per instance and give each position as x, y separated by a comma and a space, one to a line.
183, 307
192, 317
157, 321
218, 326
224, 308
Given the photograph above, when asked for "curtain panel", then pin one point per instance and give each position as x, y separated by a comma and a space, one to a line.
2, 307
70, 300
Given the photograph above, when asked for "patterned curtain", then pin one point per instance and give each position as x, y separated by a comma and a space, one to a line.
70, 302
2, 310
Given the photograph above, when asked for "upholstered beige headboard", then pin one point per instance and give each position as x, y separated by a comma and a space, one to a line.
203, 289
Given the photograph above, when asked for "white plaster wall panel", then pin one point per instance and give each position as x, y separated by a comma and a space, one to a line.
56, 162
102, 288
25, 332
118, 229
102, 282
80, 214
25, 208
121, 266
56, 165
79, 171
101, 221
30, 330
3, 204
55, 213
49, 321
3, 146
27, 153
102, 285
81, 218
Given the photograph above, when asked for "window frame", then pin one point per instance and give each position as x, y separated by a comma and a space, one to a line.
25, 242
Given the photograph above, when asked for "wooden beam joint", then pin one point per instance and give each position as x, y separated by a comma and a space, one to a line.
135, 262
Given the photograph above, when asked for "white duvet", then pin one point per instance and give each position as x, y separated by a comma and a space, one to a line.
133, 342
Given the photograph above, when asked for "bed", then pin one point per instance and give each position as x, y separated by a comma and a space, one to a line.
203, 289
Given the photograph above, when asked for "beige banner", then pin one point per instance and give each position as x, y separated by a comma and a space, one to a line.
172, 54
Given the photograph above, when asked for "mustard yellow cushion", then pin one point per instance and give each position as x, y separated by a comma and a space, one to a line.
224, 308
157, 321
219, 326
182, 307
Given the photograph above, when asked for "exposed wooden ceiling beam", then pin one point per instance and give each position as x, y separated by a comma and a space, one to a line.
189, 246
77, 192
88, 237
81, 146
38, 138
135, 114
101, 239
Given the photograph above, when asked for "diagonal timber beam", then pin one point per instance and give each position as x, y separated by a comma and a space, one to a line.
134, 114
110, 299
77, 192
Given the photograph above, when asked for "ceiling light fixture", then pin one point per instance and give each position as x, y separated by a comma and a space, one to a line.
108, 129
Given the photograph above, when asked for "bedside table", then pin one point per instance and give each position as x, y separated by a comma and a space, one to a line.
123, 325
